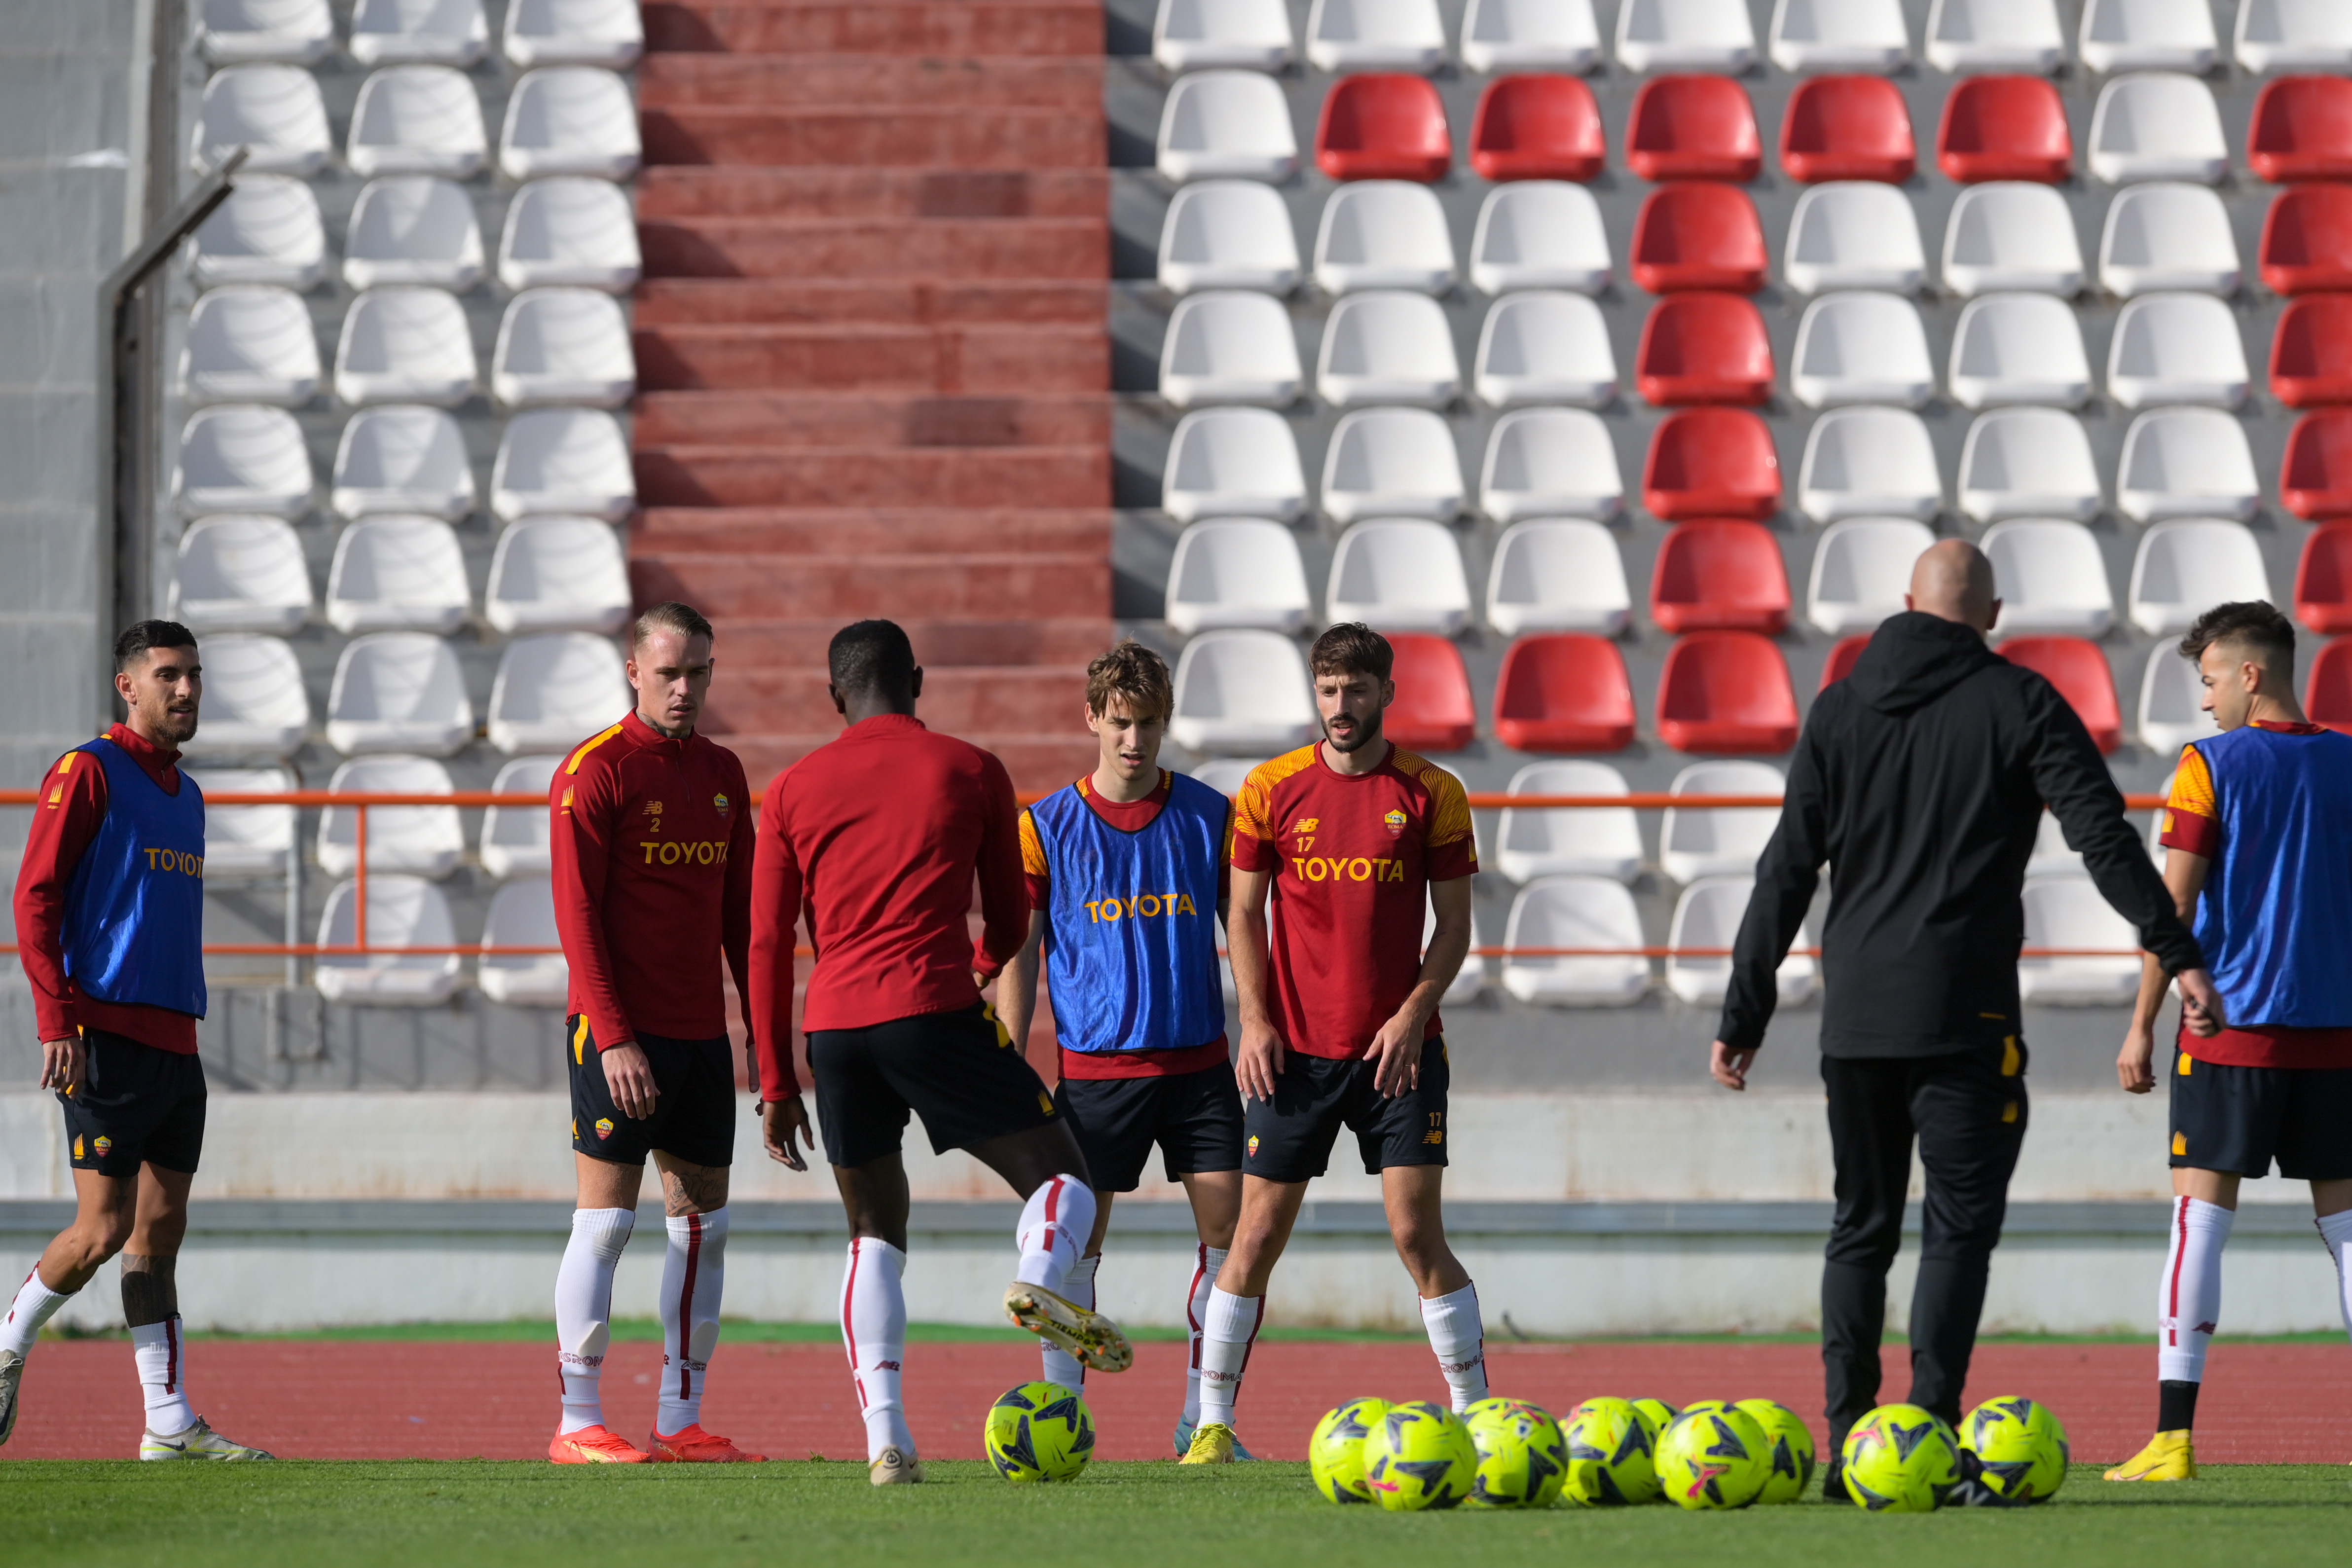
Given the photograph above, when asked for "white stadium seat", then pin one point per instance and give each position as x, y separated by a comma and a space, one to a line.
2167, 236
2176, 349
1233, 462
1391, 463
1530, 36
2028, 463
1375, 36
1383, 234
1540, 233
1228, 233
557, 574
1685, 36
414, 228
2186, 566
1855, 233
2171, 702
1862, 347
1227, 774
1725, 840
1967, 35
402, 912
571, 462
1545, 346
1402, 573
267, 232
243, 842
1230, 347
2158, 125
417, 119
403, 32
514, 840
2186, 462
255, 704
395, 573
1226, 125
2148, 36
241, 458
251, 343
563, 346
1707, 915
1558, 574
570, 120
552, 692
2294, 35
523, 914
402, 459
1549, 462
1869, 463
1205, 34
425, 841
607, 33
1576, 912
1241, 692
2065, 910
1861, 569
248, 32
2011, 235
2018, 348
405, 345
240, 574
273, 111
1237, 571
2050, 578
1533, 841
398, 691
1387, 346
1839, 36
1469, 979
569, 232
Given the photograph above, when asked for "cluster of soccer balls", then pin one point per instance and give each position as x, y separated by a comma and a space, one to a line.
1717, 1454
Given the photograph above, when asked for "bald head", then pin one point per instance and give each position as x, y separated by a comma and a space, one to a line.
1952, 580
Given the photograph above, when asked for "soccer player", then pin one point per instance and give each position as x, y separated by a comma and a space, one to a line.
1353, 840
2258, 841
109, 923
1127, 875
875, 840
652, 837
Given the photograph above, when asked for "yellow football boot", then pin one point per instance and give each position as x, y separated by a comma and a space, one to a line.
1211, 1444
2168, 1456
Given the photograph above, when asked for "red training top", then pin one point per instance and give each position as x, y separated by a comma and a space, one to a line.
73, 804
652, 841
874, 839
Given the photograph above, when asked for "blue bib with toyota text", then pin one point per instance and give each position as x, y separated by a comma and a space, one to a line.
135, 906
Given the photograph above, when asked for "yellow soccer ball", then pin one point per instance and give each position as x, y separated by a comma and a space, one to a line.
1900, 1458
1419, 1456
1521, 1454
2023, 1444
1610, 1449
1335, 1454
1657, 1413
1039, 1432
1793, 1451
1713, 1456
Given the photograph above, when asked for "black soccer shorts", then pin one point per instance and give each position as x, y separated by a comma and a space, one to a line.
1289, 1137
1194, 1117
2240, 1119
959, 1070
694, 1103
136, 1104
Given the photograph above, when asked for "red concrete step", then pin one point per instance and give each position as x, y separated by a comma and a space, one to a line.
1039, 762
766, 700
877, 27
877, 247
688, 301
683, 192
1072, 84
784, 420
938, 642
874, 476
878, 530
899, 137
856, 585
1016, 359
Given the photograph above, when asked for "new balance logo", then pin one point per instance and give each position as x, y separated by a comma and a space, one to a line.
886, 1366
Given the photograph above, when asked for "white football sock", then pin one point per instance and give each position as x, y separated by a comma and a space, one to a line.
1208, 1261
874, 1330
1459, 1338
2189, 1296
2336, 1229
34, 1304
583, 1309
1225, 1339
1055, 1225
1078, 1290
693, 1271
162, 1376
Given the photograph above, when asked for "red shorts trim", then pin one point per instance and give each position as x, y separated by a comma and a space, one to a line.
1143, 1063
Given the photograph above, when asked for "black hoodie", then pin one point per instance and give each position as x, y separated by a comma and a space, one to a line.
1919, 780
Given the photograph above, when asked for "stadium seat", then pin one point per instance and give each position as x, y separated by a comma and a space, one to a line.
423, 840
1386, 346
1692, 128
404, 32
1685, 36
2004, 128
1237, 571
2161, 236
2315, 473
1383, 234
2018, 348
246, 842
1400, 572
2079, 670
2294, 35
1433, 710
1842, 659
1530, 36
1228, 233
2050, 578
557, 574
1809, 36
1698, 236
1568, 840
1549, 462
401, 691
1382, 127
2051, 854
402, 912
2323, 579
2307, 243
394, 573
1226, 346
1719, 841
1234, 35
1719, 576
1558, 574
1564, 691
2186, 566
2301, 130
2148, 36
1471, 979
570, 462
1869, 463
551, 691
2012, 236
1854, 234
1546, 346
2327, 690
1726, 692
1540, 233
1861, 568
1707, 916
273, 111
563, 346
2066, 912
1227, 774
1241, 692
1375, 36
2028, 463
2311, 351
606, 33
242, 459
1226, 125
267, 232
255, 703
1582, 912
415, 229
1861, 346
1847, 127
514, 840
1537, 127
569, 232
570, 120
251, 343
1701, 348
2158, 125
2176, 349
402, 459
2186, 462
419, 120
1995, 36
2171, 699
240, 573
523, 914
253, 32
405, 345
1233, 462
1391, 463
1711, 463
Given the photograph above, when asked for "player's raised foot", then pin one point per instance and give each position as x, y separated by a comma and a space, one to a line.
198, 1442
896, 1467
594, 1445
12, 1373
694, 1445
1211, 1444
1184, 1430
2168, 1456
1098, 1343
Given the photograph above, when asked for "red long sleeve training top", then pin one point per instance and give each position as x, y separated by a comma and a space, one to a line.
73, 804
874, 839
653, 843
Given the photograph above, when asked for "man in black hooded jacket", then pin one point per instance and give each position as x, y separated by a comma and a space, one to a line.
1920, 781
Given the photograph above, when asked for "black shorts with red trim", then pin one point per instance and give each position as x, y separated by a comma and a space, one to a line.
136, 1104
2240, 1119
959, 1070
1194, 1117
694, 1101
1289, 1137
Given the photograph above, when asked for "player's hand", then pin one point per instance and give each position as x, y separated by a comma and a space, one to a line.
1730, 1067
782, 1121
1259, 1062
630, 1076
2200, 1005
1395, 1052
62, 1062
2132, 1064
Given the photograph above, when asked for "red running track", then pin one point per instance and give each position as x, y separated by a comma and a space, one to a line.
2264, 1403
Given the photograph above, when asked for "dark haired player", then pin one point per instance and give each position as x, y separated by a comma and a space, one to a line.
109, 923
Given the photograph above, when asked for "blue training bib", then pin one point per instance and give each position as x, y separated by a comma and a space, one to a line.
135, 905
2272, 916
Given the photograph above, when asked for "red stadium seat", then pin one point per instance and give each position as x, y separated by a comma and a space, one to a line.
1840, 663
1703, 348
1719, 576
1432, 711
1698, 236
2323, 579
1712, 463
2079, 670
2301, 129
1847, 127
2004, 128
1692, 128
1537, 127
1727, 692
2327, 695
1383, 127
1564, 692
2315, 475
2307, 239
2311, 352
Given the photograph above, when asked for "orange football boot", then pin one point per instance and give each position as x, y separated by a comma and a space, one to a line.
594, 1445
696, 1447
